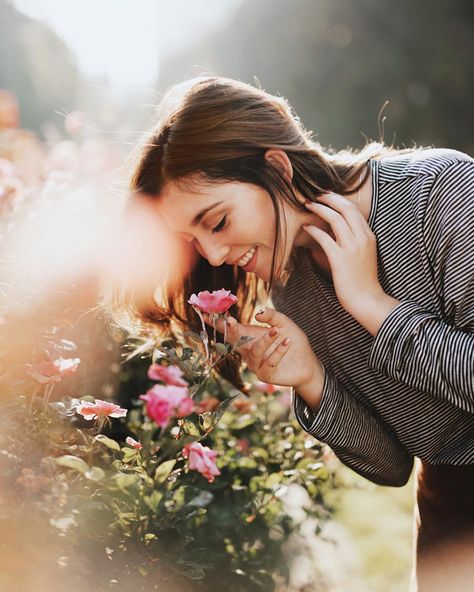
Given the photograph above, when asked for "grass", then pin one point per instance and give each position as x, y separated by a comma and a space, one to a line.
379, 522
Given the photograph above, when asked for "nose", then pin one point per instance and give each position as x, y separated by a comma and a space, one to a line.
215, 254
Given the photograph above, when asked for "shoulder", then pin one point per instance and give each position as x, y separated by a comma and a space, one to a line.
433, 161
423, 164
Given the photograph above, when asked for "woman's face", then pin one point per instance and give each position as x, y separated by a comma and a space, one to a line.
225, 221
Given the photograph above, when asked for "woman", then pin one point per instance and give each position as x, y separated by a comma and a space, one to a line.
368, 261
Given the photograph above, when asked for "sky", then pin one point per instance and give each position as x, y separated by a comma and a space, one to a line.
126, 39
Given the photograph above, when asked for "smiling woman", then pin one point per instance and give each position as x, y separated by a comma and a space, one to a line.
371, 280
253, 163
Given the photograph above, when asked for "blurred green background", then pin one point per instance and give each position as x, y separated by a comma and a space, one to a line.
352, 70
337, 61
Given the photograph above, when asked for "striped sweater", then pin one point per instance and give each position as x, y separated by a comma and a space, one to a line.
408, 391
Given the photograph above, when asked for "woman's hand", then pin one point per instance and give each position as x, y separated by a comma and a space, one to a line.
352, 256
280, 354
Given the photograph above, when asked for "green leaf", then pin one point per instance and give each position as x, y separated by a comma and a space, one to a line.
221, 409
112, 444
247, 463
153, 501
190, 428
123, 480
272, 480
206, 421
72, 462
130, 454
95, 474
163, 471
143, 570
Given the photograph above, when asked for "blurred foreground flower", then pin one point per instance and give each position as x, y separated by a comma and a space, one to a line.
100, 409
202, 459
49, 371
133, 443
170, 375
265, 387
166, 402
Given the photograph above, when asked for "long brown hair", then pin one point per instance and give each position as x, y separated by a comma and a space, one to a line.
218, 130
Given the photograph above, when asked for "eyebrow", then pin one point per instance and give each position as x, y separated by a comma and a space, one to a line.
200, 215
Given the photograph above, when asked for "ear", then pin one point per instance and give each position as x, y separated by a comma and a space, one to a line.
279, 159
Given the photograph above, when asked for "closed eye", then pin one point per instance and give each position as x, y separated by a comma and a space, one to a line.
220, 226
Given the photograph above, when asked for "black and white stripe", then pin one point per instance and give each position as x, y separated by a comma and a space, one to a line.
408, 391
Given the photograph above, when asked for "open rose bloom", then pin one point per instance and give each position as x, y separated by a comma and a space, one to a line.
218, 301
165, 402
100, 409
171, 375
48, 371
202, 459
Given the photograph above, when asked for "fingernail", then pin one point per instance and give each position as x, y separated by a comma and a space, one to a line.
273, 331
286, 341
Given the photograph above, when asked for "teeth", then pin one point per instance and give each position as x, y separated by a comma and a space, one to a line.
246, 258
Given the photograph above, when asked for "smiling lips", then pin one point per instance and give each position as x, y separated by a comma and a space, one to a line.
242, 262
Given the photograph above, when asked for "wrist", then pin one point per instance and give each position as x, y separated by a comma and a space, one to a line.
311, 391
372, 311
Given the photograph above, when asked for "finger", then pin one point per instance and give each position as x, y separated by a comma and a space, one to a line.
348, 209
236, 330
260, 346
277, 355
328, 244
272, 317
339, 225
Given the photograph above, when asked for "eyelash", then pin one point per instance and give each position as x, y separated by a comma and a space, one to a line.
220, 226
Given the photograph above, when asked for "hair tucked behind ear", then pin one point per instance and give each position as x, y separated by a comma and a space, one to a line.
218, 130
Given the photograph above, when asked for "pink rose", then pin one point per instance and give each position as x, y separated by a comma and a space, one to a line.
133, 443
171, 375
203, 459
48, 371
159, 410
100, 409
218, 301
167, 401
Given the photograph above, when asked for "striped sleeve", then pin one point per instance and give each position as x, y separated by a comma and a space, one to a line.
360, 440
435, 353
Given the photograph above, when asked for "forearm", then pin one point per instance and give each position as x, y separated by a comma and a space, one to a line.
359, 438
371, 312
417, 348
312, 391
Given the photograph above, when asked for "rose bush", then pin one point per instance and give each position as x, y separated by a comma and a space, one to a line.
189, 498
179, 487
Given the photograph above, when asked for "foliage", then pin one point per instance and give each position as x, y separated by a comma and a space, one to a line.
140, 516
